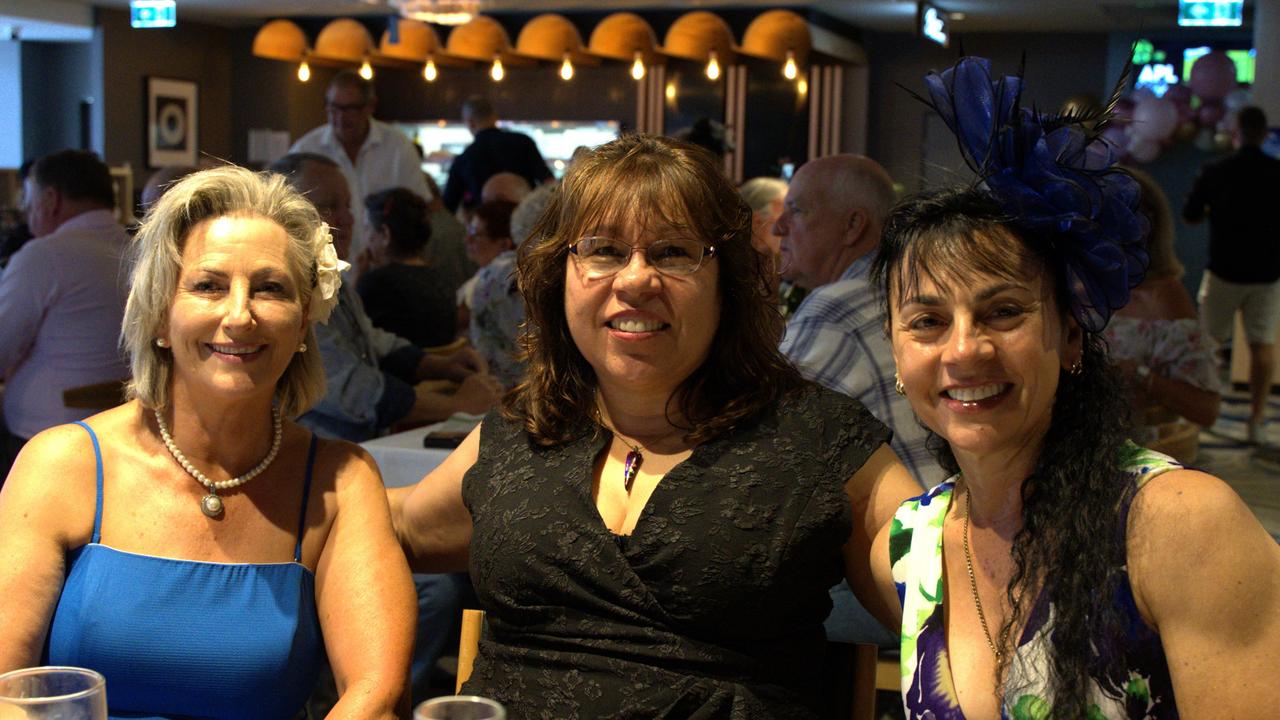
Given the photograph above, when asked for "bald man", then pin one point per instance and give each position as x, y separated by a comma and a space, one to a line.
830, 228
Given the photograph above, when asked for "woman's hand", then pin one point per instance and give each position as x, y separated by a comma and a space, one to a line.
364, 594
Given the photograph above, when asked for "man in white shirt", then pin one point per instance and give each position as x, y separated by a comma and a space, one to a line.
61, 297
372, 155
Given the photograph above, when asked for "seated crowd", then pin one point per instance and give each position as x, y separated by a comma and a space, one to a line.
675, 496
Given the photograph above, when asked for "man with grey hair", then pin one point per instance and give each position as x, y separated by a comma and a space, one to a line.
830, 226
61, 297
372, 155
373, 375
494, 150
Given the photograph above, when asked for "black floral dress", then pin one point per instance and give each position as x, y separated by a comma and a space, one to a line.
711, 608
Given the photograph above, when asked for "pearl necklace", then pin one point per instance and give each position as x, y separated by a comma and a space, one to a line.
211, 504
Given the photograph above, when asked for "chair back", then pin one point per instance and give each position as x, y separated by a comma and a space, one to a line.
468, 644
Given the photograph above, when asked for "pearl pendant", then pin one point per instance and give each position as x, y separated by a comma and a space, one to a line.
211, 505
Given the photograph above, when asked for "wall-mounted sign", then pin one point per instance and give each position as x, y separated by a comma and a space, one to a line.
1221, 13
932, 23
153, 13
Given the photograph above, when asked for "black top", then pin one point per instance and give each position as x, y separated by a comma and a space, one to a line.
1238, 192
411, 301
712, 608
493, 151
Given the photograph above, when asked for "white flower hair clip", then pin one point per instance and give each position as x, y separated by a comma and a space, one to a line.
328, 276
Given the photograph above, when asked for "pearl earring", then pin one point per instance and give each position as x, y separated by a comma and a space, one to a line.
162, 343
302, 347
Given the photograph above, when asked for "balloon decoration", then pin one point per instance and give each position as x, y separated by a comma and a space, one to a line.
1202, 111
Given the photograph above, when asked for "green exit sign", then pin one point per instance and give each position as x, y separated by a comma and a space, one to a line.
1219, 13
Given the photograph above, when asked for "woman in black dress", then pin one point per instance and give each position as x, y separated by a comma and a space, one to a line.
654, 518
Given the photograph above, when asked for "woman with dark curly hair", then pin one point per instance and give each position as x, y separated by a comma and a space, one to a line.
654, 518
402, 293
1062, 572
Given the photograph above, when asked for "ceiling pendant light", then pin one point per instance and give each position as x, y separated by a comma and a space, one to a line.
496, 72
366, 70
637, 66
713, 67
438, 12
789, 70
566, 68
429, 72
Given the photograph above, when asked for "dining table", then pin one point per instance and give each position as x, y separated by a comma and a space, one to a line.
403, 458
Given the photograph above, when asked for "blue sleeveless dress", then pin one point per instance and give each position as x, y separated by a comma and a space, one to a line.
184, 638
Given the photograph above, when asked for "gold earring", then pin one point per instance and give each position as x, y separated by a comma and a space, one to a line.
898, 387
1077, 367
162, 343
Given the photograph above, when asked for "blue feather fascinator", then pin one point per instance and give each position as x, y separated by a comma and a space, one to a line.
1055, 178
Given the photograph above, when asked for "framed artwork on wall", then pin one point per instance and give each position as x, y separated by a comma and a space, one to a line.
172, 122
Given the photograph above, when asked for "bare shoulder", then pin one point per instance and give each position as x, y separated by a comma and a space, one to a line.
349, 466
1184, 514
1183, 503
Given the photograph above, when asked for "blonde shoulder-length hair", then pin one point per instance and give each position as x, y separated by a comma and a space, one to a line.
156, 257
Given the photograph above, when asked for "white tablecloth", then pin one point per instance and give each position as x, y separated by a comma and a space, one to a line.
402, 458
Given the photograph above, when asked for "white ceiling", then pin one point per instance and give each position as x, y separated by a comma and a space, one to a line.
883, 15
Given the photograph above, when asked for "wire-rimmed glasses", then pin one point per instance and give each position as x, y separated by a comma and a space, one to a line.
600, 257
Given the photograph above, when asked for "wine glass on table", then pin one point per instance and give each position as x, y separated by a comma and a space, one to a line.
460, 707
53, 693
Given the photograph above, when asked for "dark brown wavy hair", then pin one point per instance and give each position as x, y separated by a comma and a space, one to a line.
659, 182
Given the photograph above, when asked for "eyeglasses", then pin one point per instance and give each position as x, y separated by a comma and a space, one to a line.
601, 257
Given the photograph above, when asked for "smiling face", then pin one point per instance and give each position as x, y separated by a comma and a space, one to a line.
349, 113
980, 354
236, 319
641, 330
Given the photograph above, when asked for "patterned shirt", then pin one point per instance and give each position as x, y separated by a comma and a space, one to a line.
836, 338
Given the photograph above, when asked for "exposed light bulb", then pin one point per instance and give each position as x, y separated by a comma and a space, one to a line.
637, 66
496, 72
802, 87
429, 72
366, 70
566, 68
670, 92
304, 71
789, 70
713, 67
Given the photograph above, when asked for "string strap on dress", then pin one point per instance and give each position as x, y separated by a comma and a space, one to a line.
306, 495
97, 456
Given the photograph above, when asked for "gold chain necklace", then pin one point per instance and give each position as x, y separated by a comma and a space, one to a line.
973, 582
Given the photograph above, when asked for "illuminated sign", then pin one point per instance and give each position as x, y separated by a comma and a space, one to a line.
153, 13
933, 23
1221, 13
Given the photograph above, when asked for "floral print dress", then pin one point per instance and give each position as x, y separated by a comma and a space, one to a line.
928, 693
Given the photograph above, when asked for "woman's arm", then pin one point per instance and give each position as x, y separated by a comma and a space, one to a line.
1206, 576
1198, 405
364, 594
875, 491
431, 522
46, 507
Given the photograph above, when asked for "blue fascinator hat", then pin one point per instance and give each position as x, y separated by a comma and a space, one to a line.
1056, 178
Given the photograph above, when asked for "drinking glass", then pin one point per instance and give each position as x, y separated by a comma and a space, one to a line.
459, 707
53, 693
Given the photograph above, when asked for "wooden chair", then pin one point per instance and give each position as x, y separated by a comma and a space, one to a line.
99, 396
468, 644
870, 672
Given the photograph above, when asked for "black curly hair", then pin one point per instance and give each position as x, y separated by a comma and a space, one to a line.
1071, 544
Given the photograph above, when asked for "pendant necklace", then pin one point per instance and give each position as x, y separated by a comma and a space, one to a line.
631, 467
211, 504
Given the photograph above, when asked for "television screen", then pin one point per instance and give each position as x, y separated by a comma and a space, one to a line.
1245, 61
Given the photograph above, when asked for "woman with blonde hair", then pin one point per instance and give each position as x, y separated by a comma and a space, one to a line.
194, 545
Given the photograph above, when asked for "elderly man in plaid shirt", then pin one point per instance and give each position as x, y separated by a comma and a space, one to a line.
830, 227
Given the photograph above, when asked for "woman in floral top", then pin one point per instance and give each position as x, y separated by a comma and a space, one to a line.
1062, 572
